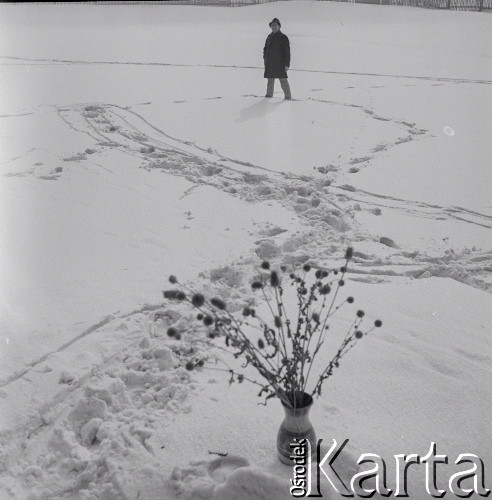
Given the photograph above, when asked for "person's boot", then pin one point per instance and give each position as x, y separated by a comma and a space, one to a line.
285, 88
270, 87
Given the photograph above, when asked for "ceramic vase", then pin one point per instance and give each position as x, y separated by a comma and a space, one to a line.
295, 427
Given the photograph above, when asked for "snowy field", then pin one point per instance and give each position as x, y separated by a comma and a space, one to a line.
135, 143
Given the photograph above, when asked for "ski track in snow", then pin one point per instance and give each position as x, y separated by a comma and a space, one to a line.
418, 208
30, 61
410, 130
326, 207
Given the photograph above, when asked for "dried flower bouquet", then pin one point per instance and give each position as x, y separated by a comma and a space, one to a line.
285, 347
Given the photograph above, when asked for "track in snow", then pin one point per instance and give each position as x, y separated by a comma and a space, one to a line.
326, 208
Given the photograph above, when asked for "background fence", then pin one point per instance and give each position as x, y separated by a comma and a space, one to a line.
471, 5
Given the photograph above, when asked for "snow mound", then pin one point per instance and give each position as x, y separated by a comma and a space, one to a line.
226, 478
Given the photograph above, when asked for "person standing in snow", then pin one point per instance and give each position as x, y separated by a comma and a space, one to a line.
277, 57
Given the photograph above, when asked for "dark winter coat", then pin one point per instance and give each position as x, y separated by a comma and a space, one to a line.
277, 55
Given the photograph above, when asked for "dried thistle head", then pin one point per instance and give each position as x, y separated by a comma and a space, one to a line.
218, 303
198, 299
174, 295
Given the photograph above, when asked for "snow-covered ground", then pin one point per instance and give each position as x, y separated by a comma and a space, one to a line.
135, 143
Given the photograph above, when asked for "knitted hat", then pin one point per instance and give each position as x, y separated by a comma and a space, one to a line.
275, 20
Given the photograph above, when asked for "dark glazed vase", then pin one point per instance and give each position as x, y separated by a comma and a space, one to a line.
295, 426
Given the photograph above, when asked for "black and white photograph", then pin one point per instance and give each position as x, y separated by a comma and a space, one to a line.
245, 250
